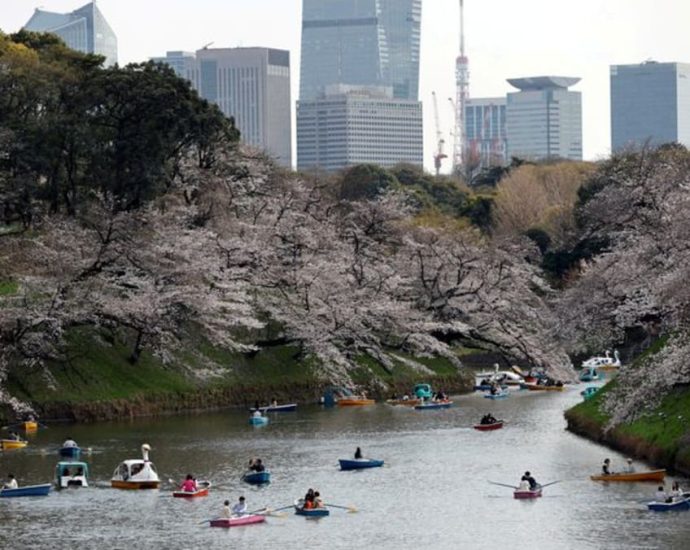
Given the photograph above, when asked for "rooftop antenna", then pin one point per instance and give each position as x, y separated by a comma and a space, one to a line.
205, 46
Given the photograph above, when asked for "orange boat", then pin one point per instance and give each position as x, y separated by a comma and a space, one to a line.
651, 475
404, 402
354, 401
541, 387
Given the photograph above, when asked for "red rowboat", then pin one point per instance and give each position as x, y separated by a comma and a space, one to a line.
487, 427
527, 494
238, 521
202, 491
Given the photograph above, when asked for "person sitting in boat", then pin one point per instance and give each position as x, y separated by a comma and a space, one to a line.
533, 485
494, 389
406, 397
11, 483
318, 503
606, 467
660, 495
488, 419
256, 465
358, 454
189, 484
80, 472
524, 485
629, 468
240, 507
309, 500
676, 492
274, 402
66, 472
14, 436
70, 443
257, 414
227, 512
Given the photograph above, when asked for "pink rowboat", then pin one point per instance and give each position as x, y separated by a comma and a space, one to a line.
527, 494
238, 521
487, 427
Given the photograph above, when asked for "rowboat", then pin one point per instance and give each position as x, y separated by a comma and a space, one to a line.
289, 407
487, 387
542, 387
436, 405
354, 401
257, 478
26, 491
258, 420
680, 504
136, 474
529, 493
498, 395
359, 463
238, 521
7, 444
487, 427
589, 374
69, 452
71, 474
29, 425
651, 475
589, 392
202, 491
310, 512
404, 402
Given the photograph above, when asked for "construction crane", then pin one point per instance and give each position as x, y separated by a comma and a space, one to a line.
439, 155
462, 88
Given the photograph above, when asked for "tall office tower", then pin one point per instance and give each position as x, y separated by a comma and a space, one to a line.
250, 84
650, 103
359, 54
84, 30
485, 131
544, 119
349, 125
361, 42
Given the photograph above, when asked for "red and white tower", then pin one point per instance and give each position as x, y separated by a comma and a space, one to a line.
462, 93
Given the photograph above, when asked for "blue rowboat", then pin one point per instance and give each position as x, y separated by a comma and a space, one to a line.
27, 491
499, 395
310, 512
430, 406
70, 452
682, 504
258, 420
257, 478
359, 464
289, 407
589, 392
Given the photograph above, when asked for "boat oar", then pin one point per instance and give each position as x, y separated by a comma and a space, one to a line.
503, 485
206, 521
269, 512
282, 508
350, 509
551, 483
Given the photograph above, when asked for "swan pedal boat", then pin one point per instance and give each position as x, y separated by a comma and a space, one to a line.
488, 427
289, 407
26, 491
136, 474
310, 512
651, 475
359, 463
8, 444
257, 478
431, 406
201, 491
680, 504
529, 493
238, 521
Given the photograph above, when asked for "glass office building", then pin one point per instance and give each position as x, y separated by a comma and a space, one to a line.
363, 42
650, 104
544, 119
485, 131
84, 29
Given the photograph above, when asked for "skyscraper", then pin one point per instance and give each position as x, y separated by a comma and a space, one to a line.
650, 103
250, 84
359, 55
84, 29
349, 125
362, 42
544, 119
485, 131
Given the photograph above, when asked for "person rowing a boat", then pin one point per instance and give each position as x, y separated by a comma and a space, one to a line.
358, 454
660, 495
488, 419
11, 482
189, 484
308, 502
318, 503
533, 485
240, 507
256, 465
606, 467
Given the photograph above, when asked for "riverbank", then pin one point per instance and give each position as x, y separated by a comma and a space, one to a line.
660, 437
96, 381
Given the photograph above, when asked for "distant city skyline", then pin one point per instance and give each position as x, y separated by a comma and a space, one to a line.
505, 39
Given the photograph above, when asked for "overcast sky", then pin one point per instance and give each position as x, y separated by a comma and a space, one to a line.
504, 39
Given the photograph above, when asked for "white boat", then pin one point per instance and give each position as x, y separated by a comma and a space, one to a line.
137, 473
603, 362
71, 474
506, 377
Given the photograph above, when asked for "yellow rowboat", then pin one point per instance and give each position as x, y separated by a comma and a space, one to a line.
354, 401
651, 475
6, 444
29, 426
